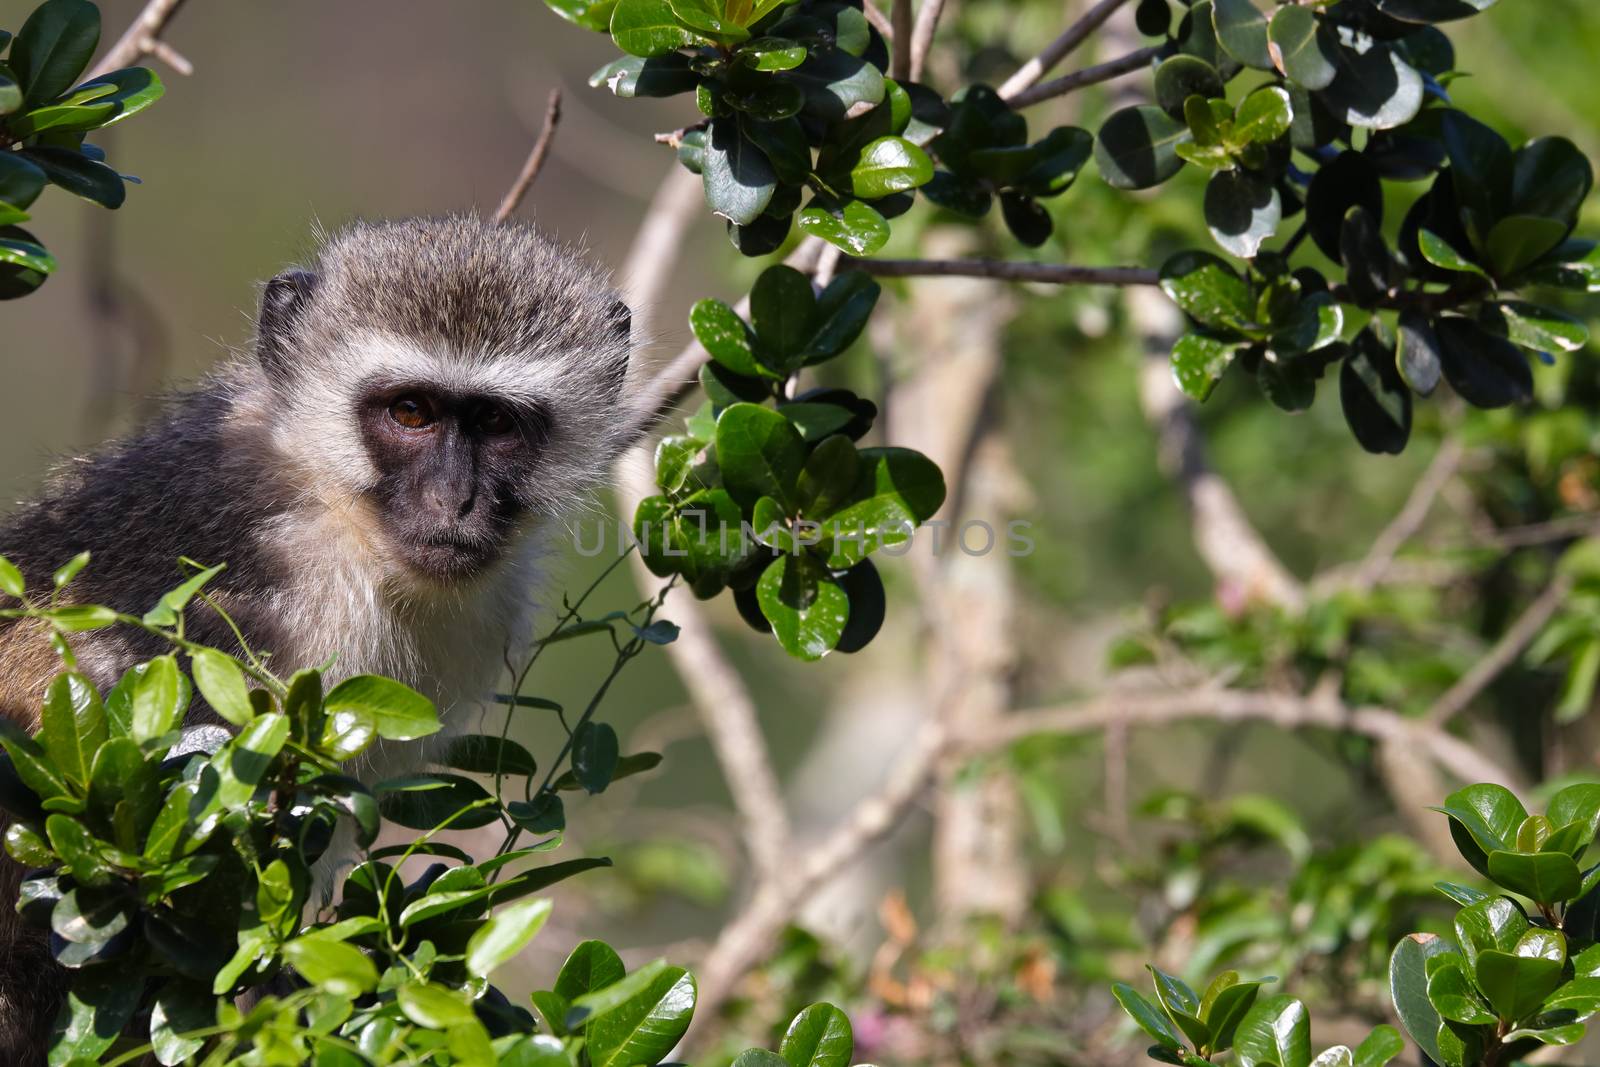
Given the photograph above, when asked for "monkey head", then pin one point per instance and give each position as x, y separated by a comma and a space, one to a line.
461, 378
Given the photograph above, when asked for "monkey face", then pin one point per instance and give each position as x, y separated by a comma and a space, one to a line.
451, 468
458, 377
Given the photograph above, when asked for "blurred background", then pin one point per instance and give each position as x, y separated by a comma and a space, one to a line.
303, 113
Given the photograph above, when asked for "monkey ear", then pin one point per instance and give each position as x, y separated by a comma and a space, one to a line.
282, 301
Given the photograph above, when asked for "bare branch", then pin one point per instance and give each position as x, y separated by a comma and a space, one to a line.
143, 38
535, 161
1502, 655
1059, 49
922, 35
1004, 270
746, 939
1245, 567
1446, 461
1079, 79
899, 35
1285, 710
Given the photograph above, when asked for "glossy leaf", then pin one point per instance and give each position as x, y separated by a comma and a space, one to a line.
1137, 147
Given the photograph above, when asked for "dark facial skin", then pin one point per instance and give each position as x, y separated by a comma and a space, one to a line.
449, 468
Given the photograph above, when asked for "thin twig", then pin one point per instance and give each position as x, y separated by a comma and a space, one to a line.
1058, 49
1286, 710
1380, 557
1502, 655
899, 39
1080, 79
922, 35
535, 160
1005, 270
880, 21
143, 38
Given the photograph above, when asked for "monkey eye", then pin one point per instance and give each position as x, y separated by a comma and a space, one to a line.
413, 412
492, 420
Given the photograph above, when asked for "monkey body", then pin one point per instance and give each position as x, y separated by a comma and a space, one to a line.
382, 477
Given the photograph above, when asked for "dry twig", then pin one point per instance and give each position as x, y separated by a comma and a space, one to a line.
1502, 655
535, 160
143, 38
1004, 270
1079, 79
1058, 49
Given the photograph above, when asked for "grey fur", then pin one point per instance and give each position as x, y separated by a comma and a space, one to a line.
261, 466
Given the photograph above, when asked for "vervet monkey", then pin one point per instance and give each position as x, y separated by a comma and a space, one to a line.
381, 476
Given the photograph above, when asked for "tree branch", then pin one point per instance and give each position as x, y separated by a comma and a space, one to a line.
1502, 655
1079, 79
922, 35
1380, 557
1004, 270
143, 38
900, 31
1284, 710
535, 161
1058, 49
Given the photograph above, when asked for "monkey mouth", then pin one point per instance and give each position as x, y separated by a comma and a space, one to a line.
451, 556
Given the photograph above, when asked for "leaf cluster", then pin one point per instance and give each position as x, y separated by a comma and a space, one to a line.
45, 115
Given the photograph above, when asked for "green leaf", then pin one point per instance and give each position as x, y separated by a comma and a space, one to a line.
592, 966
646, 1025
1302, 48
819, 1036
1419, 360
1198, 363
21, 181
805, 605
1455, 998
1181, 76
1432, 10
896, 490
1242, 210
784, 313
627, 766
433, 1006
489, 755
594, 755
1181, 1006
1542, 329
1376, 402
95, 104
1379, 1047
505, 935
1226, 1010
545, 813
1208, 290
726, 336
400, 712
889, 165
79, 175
1148, 1016
101, 1001
1546, 877
1264, 116
180, 1008
633, 76
1408, 987
1137, 147
761, 454
73, 725
1489, 813
835, 81
1275, 1031
427, 801
1518, 241
334, 966
1517, 983
855, 226
590, 14
1061, 156
1375, 89
242, 764
69, 570
647, 28
1487, 371
773, 53
1437, 250
1551, 178
10, 91
842, 311
221, 682
711, 18
1241, 30
738, 177
53, 47
159, 697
